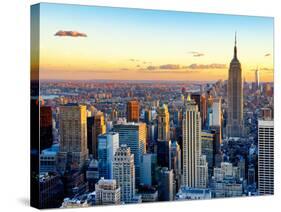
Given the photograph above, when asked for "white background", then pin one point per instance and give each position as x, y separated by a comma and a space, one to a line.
14, 101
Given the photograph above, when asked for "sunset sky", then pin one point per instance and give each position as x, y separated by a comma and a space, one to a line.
86, 42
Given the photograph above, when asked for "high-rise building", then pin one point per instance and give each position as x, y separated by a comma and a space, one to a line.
265, 157
107, 192
163, 153
90, 127
148, 169
133, 111
166, 185
147, 116
134, 136
191, 144
257, 76
92, 174
202, 170
202, 105
108, 144
46, 137
73, 136
175, 162
207, 148
51, 190
124, 173
216, 112
234, 126
163, 122
99, 127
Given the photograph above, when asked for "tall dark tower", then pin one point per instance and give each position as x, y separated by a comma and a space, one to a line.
234, 127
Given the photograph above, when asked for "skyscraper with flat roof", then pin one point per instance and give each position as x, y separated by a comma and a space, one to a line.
265, 157
191, 143
108, 143
73, 136
134, 136
133, 111
124, 173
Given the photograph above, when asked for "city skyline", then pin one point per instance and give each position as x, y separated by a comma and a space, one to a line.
155, 128
136, 44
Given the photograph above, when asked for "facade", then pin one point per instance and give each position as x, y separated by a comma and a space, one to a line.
166, 185
51, 190
191, 144
73, 136
108, 144
148, 169
133, 111
175, 163
90, 127
265, 157
107, 192
134, 136
234, 126
99, 127
92, 174
48, 159
163, 122
216, 112
46, 137
124, 173
163, 153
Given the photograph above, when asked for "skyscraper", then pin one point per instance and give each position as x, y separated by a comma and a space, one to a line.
234, 126
163, 121
108, 144
99, 127
124, 172
265, 157
166, 185
133, 111
134, 136
73, 136
90, 127
191, 143
148, 168
257, 76
46, 138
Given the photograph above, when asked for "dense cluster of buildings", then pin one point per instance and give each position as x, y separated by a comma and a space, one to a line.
121, 142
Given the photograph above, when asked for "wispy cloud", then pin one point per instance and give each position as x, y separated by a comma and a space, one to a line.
197, 54
193, 66
70, 33
207, 66
267, 55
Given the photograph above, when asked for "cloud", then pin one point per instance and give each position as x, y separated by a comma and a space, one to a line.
152, 67
197, 54
171, 66
70, 33
166, 67
206, 66
193, 66
267, 55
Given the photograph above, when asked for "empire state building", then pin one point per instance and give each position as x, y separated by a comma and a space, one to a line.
234, 127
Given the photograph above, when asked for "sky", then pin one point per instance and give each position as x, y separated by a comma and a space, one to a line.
88, 42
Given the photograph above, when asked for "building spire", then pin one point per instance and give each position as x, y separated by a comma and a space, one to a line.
235, 48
